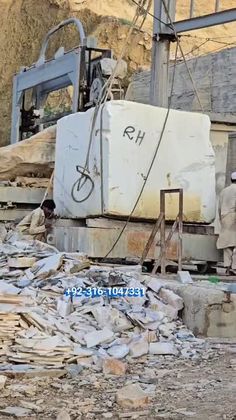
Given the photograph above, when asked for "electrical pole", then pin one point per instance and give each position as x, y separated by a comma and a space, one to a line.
163, 34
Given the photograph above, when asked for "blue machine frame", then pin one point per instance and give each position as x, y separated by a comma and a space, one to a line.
65, 69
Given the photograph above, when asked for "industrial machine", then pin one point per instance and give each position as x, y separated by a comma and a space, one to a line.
86, 68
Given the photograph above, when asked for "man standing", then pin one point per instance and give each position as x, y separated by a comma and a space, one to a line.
227, 214
33, 226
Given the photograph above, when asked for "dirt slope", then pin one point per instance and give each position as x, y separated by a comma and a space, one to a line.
25, 22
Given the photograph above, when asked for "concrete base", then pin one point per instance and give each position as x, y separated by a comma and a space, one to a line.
98, 236
14, 214
207, 311
21, 195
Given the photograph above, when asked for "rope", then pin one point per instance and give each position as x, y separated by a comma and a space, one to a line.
105, 92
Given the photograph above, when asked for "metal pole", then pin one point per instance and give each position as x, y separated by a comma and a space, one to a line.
192, 8
180, 233
163, 233
217, 5
160, 54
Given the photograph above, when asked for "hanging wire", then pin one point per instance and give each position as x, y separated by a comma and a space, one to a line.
152, 162
84, 170
183, 55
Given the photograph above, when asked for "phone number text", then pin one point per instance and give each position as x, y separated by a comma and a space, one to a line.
111, 292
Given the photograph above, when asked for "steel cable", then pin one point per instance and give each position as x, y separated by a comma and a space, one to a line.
105, 92
152, 162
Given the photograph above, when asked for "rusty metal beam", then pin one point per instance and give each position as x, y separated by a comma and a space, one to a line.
151, 238
163, 234
180, 241
169, 237
163, 241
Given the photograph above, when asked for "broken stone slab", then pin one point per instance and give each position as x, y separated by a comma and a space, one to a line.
184, 277
2, 381
185, 412
113, 366
146, 318
107, 415
166, 330
3, 232
79, 266
63, 415
139, 346
64, 308
28, 371
132, 396
171, 298
86, 362
94, 338
23, 282
30, 156
8, 249
185, 335
28, 390
74, 370
16, 411
119, 351
46, 344
82, 352
27, 181
152, 336
155, 284
29, 275
47, 266
163, 348
111, 317
21, 262
157, 305
134, 414
137, 300
8, 288
30, 405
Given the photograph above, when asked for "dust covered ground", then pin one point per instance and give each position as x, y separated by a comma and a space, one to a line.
177, 388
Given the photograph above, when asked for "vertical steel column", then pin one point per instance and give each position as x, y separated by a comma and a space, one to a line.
217, 5
191, 8
16, 112
160, 54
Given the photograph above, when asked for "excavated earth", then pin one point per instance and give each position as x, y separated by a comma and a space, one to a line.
179, 390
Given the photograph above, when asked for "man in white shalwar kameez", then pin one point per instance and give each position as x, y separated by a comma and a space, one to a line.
227, 214
33, 226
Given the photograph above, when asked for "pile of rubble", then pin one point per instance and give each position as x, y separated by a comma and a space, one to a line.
43, 327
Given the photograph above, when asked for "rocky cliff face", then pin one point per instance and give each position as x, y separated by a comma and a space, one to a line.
24, 24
